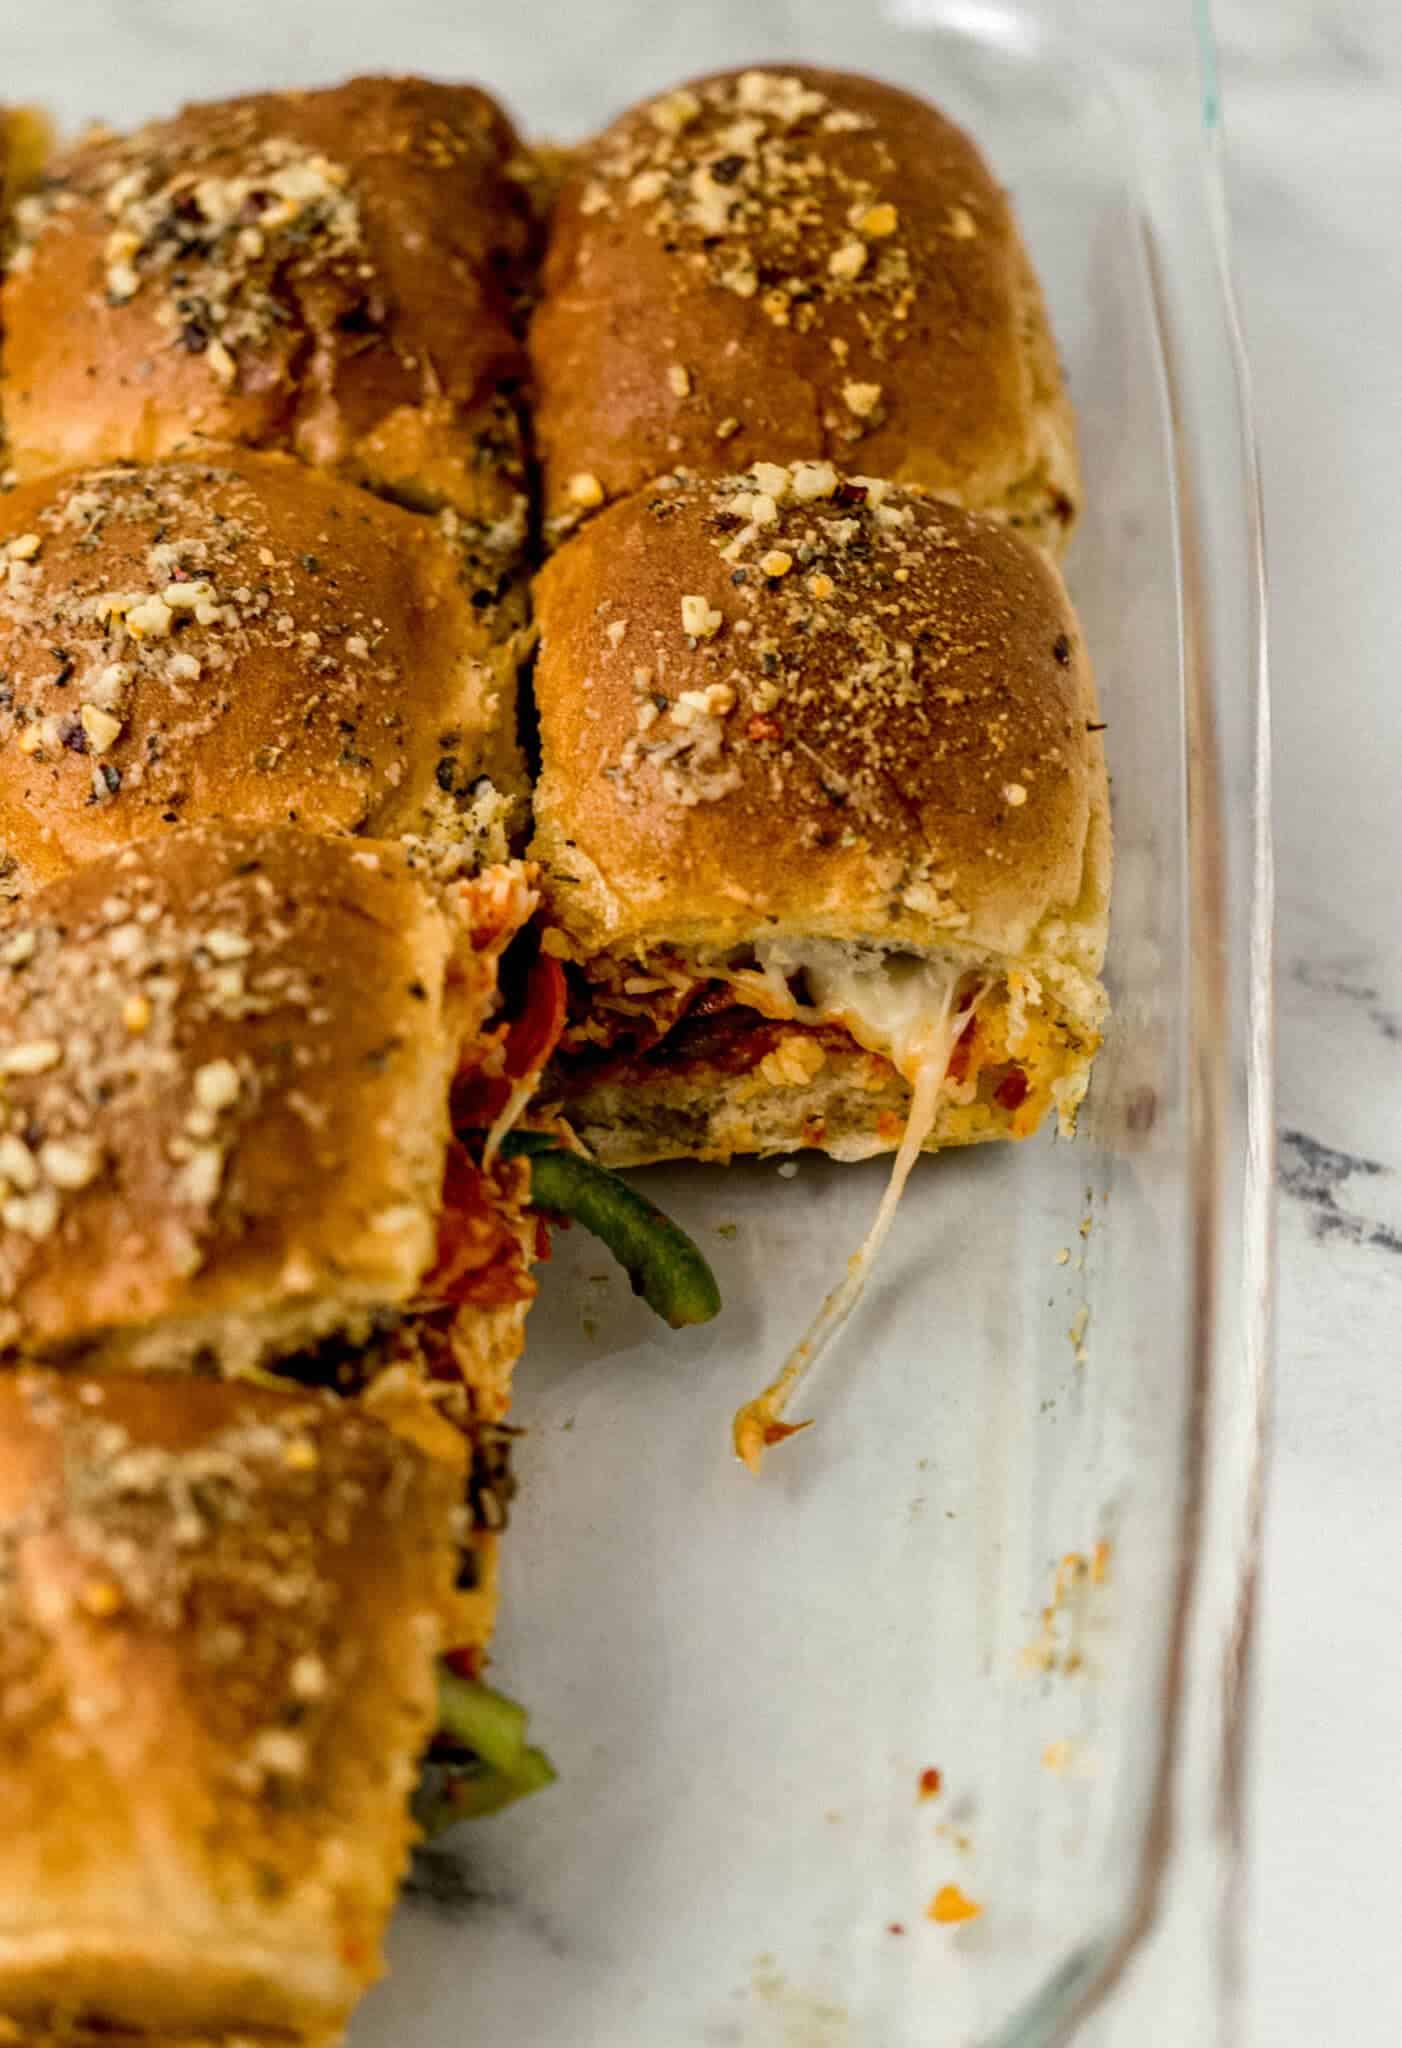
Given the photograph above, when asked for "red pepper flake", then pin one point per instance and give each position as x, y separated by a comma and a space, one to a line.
762, 728
775, 1432
895, 1927
949, 1906
464, 1663
931, 1783
1011, 1091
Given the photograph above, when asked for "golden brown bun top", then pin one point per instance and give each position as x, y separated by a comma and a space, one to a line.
772, 265
236, 638
338, 272
227, 1056
218, 1622
824, 706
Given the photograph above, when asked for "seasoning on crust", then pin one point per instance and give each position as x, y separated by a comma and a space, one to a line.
232, 637
822, 758
235, 1135
782, 265
219, 1615
341, 273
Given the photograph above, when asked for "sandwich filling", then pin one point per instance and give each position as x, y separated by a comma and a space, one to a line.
772, 1015
445, 1358
980, 1048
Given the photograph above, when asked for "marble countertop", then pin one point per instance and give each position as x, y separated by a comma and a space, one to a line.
1313, 99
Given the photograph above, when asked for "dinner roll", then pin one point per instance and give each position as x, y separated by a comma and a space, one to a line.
819, 754
227, 1058
340, 273
219, 1614
232, 637
776, 265
892, 691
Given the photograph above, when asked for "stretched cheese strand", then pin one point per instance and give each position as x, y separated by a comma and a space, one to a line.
760, 1422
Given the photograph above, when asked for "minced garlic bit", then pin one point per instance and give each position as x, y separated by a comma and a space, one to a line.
675, 113
812, 480
30, 1056
773, 480
679, 380
961, 224
25, 548
102, 729
33, 1215
18, 1165
69, 1162
727, 428
280, 1753
849, 261
1014, 795
717, 700
861, 399
201, 1175
776, 563
217, 1084
699, 619
307, 1678
150, 619
585, 490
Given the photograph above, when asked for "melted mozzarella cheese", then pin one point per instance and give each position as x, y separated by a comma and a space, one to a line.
919, 1019
895, 1004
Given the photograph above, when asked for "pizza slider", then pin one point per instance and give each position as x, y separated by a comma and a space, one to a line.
823, 824
247, 1074
232, 637
220, 1612
341, 273
770, 265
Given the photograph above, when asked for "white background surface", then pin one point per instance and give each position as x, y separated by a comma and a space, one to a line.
1313, 98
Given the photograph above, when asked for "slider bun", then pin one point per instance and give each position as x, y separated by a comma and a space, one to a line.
334, 272
700, 307
337, 676
218, 1621
895, 749
228, 1056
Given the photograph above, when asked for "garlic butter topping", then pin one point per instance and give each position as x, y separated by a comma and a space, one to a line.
823, 650
208, 246
736, 175
231, 637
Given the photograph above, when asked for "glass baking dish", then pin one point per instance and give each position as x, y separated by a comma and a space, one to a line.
1018, 1549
